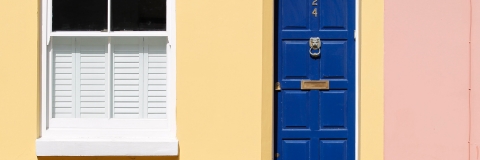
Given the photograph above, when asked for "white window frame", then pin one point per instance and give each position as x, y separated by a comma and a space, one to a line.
124, 137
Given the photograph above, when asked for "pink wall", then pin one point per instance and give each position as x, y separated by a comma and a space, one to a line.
427, 77
475, 83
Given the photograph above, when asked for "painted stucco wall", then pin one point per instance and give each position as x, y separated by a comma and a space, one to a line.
475, 82
427, 79
371, 98
224, 81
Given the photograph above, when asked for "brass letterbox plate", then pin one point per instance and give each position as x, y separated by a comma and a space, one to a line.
320, 85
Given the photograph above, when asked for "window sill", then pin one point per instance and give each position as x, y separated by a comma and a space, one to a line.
115, 146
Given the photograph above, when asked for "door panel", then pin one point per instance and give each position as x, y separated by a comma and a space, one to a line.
296, 66
299, 16
333, 14
333, 109
333, 149
334, 62
296, 149
296, 109
315, 124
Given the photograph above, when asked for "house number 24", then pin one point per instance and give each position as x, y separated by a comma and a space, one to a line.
314, 12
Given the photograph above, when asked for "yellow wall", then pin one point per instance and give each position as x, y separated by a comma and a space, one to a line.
19, 79
371, 80
224, 80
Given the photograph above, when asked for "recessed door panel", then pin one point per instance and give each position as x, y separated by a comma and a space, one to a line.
299, 17
333, 109
296, 149
295, 64
334, 60
333, 14
333, 149
296, 109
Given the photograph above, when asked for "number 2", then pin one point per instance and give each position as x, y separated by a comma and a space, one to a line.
314, 3
314, 12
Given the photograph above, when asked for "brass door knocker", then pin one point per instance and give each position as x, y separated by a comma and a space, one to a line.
315, 44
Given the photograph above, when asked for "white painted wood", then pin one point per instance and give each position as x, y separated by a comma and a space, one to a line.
109, 75
49, 84
172, 71
107, 147
156, 77
63, 77
110, 34
92, 82
109, 16
357, 76
127, 77
51, 127
104, 123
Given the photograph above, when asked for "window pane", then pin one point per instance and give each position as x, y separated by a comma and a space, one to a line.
83, 15
138, 15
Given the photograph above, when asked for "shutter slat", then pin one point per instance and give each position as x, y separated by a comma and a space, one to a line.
122, 104
126, 93
93, 76
63, 110
93, 99
63, 115
126, 99
152, 98
157, 110
157, 116
66, 76
92, 82
127, 110
97, 110
127, 87
154, 87
127, 115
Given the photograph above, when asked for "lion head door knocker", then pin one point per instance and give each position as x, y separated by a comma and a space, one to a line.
315, 44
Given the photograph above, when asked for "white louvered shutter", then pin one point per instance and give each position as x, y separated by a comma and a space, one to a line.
63, 76
155, 77
80, 80
139, 77
92, 74
82, 77
127, 77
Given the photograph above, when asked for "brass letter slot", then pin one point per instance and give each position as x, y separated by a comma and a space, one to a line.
320, 85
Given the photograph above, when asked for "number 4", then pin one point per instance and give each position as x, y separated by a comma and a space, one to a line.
314, 12
314, 3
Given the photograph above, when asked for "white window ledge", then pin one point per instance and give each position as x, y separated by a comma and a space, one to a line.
117, 146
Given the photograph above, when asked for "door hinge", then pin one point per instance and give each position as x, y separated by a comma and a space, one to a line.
277, 86
355, 34
277, 155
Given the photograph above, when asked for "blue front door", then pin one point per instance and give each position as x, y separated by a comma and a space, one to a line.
315, 89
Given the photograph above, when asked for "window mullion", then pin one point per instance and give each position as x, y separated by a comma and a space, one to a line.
109, 15
145, 79
141, 77
77, 95
109, 79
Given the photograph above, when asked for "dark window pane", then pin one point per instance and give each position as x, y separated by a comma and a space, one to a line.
79, 15
138, 15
